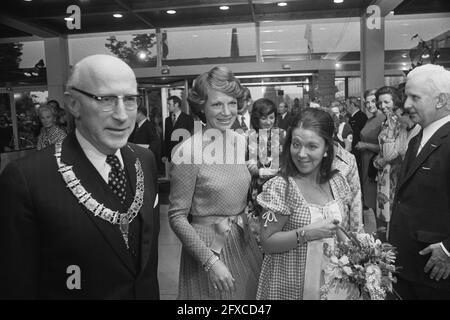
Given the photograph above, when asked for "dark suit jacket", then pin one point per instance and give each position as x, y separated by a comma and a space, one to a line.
286, 122
357, 123
45, 230
146, 134
237, 125
421, 210
184, 121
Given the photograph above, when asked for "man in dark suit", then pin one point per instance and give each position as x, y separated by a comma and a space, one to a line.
420, 223
243, 119
357, 122
284, 119
145, 133
80, 219
176, 120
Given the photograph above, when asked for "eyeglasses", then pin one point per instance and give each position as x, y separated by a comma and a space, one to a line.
107, 103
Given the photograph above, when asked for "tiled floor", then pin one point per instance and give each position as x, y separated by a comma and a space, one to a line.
169, 258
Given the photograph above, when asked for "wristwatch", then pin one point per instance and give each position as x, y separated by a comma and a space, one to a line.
301, 236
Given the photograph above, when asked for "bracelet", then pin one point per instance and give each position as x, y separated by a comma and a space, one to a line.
301, 236
210, 262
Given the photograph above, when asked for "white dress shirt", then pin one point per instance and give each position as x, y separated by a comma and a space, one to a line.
246, 116
97, 158
141, 123
177, 114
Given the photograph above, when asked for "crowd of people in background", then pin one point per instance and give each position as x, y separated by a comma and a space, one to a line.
256, 230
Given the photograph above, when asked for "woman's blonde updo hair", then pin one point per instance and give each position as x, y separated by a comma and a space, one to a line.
218, 78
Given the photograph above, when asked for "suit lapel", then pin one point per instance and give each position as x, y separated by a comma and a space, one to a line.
146, 212
431, 146
90, 178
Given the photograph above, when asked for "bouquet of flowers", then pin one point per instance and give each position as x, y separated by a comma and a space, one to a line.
363, 267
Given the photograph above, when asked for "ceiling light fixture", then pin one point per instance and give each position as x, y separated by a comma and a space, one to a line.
338, 65
68, 18
224, 8
338, 1
282, 4
171, 11
405, 55
274, 75
117, 15
425, 56
28, 0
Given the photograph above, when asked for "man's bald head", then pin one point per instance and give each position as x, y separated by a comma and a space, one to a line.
102, 97
96, 70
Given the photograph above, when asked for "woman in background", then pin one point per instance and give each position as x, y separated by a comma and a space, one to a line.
220, 258
50, 133
392, 141
302, 208
369, 148
262, 163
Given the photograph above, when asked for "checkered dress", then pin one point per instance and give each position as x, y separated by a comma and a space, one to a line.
282, 274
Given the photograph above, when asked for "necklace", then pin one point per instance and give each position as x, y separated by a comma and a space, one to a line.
96, 208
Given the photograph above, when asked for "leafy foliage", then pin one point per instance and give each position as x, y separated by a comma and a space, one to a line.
138, 53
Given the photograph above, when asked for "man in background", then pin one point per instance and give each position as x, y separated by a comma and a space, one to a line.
284, 119
177, 119
145, 133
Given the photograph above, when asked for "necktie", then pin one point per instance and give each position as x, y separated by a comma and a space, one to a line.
116, 178
417, 144
414, 149
174, 118
117, 182
243, 125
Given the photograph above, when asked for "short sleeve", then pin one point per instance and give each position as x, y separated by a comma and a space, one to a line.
273, 196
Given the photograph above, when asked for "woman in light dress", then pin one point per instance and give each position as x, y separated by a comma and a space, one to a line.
393, 141
303, 207
220, 258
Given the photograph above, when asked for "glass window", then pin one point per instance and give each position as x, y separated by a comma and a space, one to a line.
138, 50
310, 39
22, 63
403, 33
202, 45
6, 129
28, 123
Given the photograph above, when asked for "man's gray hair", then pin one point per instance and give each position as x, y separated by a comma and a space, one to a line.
435, 76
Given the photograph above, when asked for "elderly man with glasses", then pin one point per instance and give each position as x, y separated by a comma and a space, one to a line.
80, 219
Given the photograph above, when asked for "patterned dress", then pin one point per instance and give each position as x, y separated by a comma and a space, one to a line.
211, 192
50, 136
283, 274
393, 145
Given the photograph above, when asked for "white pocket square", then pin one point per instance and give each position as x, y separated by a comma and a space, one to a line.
156, 201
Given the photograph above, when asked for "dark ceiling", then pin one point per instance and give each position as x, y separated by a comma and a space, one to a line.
45, 18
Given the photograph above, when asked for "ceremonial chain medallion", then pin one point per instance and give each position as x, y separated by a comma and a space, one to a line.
98, 209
